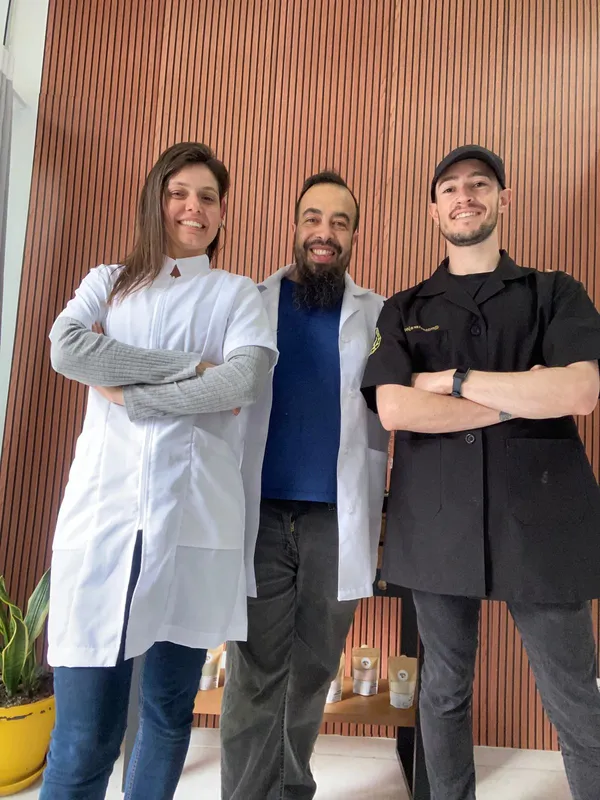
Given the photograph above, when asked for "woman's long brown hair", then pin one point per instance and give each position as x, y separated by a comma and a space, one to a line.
143, 265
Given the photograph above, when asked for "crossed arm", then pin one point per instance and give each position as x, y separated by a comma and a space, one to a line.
157, 382
541, 393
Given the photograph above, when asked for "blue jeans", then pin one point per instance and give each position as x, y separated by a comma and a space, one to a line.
91, 717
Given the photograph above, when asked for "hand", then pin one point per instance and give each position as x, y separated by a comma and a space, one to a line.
537, 367
434, 382
114, 394
202, 366
97, 328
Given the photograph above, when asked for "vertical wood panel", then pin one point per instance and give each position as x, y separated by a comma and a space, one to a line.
379, 91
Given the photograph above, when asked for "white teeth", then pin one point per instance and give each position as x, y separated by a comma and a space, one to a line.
190, 223
321, 252
465, 214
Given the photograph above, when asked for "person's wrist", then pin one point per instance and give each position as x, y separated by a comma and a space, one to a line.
459, 376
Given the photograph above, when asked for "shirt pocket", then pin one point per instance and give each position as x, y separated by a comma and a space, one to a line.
416, 483
430, 350
546, 481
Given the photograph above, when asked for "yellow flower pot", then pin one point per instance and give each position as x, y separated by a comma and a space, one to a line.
24, 738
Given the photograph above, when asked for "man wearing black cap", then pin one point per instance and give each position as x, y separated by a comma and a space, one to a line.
480, 370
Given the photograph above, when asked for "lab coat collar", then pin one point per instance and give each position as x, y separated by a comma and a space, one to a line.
188, 267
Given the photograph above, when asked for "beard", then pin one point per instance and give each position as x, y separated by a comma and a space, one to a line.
470, 238
319, 286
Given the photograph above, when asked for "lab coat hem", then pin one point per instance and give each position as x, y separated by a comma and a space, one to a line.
356, 594
202, 640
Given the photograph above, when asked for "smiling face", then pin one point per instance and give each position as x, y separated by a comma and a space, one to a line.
324, 235
192, 211
468, 202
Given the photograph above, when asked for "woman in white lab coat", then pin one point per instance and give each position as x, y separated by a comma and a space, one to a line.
148, 549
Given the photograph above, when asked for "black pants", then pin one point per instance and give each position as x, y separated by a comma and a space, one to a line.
560, 645
277, 681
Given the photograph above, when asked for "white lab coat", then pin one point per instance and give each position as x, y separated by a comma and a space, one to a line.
177, 479
362, 459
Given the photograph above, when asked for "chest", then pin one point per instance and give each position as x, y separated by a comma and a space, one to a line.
307, 339
503, 333
174, 313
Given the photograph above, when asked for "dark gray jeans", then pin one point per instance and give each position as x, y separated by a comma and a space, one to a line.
560, 645
277, 681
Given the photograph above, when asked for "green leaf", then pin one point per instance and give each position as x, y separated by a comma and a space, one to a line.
3, 614
31, 673
14, 656
37, 608
4, 598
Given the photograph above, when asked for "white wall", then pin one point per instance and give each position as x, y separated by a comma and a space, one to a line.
25, 41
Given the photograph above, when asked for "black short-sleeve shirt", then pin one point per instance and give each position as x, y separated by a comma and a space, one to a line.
511, 511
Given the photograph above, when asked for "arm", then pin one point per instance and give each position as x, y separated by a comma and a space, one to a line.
238, 382
82, 355
387, 387
538, 394
421, 411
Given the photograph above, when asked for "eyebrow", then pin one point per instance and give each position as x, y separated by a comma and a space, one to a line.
341, 214
187, 186
475, 174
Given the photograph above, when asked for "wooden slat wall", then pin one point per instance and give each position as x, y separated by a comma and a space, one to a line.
281, 89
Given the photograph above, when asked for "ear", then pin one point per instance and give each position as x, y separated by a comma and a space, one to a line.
504, 202
223, 209
354, 238
434, 213
294, 228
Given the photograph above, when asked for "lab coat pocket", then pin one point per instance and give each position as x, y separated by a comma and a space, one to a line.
214, 508
79, 506
416, 484
546, 481
377, 464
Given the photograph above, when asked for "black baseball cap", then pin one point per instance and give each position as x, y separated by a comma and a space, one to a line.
465, 152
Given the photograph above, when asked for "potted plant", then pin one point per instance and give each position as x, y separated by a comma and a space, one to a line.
26, 699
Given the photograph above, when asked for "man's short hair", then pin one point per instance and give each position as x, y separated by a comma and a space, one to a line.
326, 176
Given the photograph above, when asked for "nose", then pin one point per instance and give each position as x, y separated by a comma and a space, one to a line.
324, 231
193, 203
464, 194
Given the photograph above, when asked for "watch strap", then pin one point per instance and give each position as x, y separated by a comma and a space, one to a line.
458, 379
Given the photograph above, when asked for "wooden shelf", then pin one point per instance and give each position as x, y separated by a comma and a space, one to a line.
355, 708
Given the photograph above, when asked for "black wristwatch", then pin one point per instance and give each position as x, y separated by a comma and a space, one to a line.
460, 376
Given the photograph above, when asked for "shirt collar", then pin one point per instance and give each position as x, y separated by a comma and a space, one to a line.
188, 267
441, 280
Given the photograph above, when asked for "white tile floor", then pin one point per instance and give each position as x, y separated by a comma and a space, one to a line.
348, 768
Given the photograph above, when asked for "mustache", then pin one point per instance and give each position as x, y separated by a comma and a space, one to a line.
324, 243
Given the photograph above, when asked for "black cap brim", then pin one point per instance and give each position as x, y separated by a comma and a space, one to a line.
465, 152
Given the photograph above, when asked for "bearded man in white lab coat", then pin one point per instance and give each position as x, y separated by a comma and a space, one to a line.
313, 515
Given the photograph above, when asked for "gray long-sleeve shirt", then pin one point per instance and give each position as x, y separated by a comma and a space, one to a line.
158, 382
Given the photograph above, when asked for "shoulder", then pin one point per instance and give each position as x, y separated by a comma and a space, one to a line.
105, 273
100, 279
402, 300
237, 283
555, 283
373, 299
